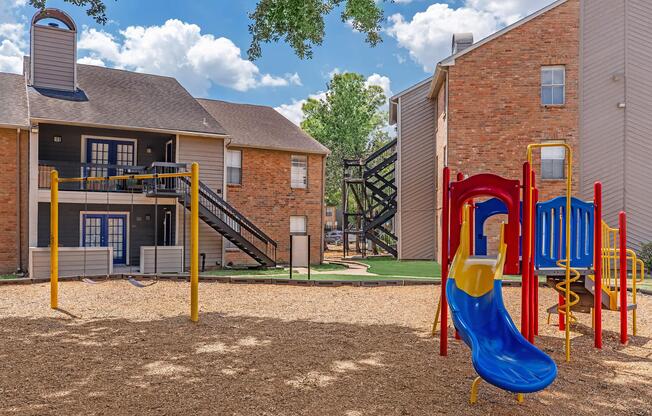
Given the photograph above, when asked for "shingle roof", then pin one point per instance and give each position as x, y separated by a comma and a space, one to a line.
261, 127
113, 97
13, 110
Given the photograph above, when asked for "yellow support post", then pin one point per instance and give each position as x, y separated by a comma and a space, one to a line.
519, 397
194, 242
474, 390
570, 297
54, 239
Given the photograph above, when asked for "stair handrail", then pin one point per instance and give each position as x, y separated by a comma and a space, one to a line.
230, 211
380, 151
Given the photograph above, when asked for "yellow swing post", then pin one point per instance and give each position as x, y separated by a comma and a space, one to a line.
54, 239
194, 242
194, 228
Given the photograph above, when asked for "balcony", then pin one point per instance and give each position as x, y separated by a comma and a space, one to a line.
160, 187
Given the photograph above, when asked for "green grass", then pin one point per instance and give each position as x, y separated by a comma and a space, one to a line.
345, 277
8, 276
328, 267
412, 268
245, 272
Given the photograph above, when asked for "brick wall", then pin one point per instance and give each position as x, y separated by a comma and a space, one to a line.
267, 199
12, 159
494, 99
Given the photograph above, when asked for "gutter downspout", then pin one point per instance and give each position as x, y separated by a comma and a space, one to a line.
19, 217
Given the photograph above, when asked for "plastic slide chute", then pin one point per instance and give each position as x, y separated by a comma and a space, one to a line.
500, 354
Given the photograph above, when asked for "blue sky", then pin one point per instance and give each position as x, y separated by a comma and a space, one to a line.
203, 43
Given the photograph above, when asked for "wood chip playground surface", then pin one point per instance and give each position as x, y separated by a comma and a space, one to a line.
115, 349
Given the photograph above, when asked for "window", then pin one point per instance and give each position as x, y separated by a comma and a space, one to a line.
299, 174
329, 211
553, 80
553, 162
234, 167
298, 224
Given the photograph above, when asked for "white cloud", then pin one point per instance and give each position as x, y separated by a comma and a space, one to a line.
12, 44
89, 60
427, 35
180, 50
293, 110
382, 81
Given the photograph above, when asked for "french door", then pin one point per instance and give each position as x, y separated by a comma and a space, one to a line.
106, 230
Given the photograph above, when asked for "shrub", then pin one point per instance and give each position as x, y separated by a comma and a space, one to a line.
645, 254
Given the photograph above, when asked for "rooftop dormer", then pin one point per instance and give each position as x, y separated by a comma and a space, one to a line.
53, 50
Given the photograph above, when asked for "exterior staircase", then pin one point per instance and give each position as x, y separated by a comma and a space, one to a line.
219, 215
379, 174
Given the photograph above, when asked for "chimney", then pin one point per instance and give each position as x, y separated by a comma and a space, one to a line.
53, 50
461, 41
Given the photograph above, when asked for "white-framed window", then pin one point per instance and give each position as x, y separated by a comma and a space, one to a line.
299, 171
553, 85
298, 224
234, 167
329, 211
553, 162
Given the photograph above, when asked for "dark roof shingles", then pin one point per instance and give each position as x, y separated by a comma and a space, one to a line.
13, 109
127, 99
261, 126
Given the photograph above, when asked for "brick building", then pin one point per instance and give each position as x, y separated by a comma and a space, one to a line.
261, 178
557, 75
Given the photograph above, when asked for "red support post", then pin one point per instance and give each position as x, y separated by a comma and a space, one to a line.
597, 264
471, 226
534, 315
460, 177
526, 230
445, 217
622, 224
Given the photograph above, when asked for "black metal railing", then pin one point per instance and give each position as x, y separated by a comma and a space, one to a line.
238, 223
164, 186
87, 170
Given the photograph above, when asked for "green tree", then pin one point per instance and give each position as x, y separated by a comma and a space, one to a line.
299, 23
349, 122
94, 8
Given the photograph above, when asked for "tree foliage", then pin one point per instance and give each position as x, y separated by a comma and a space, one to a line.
349, 122
300, 23
94, 8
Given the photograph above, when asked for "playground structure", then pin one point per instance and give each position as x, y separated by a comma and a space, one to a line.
564, 239
190, 180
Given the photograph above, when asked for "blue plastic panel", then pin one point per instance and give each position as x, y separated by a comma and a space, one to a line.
483, 211
551, 233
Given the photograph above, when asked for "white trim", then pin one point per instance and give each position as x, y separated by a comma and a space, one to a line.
399, 230
85, 137
127, 228
92, 197
166, 150
33, 188
131, 128
281, 149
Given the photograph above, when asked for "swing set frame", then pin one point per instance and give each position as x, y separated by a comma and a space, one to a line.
55, 180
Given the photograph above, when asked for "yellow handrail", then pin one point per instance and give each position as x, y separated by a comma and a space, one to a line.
569, 295
610, 269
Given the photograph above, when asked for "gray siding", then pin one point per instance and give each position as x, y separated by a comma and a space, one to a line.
72, 262
209, 153
53, 52
417, 174
616, 146
168, 259
638, 122
141, 231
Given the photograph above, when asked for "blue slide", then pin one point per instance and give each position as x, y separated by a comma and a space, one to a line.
501, 355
